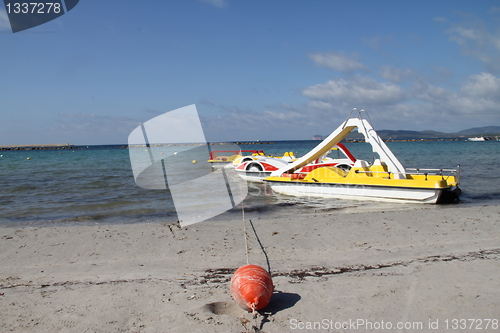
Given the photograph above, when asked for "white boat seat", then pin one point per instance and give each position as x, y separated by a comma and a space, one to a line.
378, 162
361, 164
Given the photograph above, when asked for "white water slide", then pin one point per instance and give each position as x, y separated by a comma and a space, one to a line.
364, 127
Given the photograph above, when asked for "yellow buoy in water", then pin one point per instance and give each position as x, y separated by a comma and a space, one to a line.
194, 162
28, 158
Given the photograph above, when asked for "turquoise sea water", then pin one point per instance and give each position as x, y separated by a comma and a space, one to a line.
95, 184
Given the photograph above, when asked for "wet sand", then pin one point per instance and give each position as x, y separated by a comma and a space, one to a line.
423, 268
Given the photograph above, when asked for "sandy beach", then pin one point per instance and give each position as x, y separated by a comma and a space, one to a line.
426, 268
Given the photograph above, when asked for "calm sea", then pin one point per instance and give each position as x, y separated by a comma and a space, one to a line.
95, 184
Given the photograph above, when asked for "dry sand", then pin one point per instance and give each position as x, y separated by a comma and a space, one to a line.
425, 267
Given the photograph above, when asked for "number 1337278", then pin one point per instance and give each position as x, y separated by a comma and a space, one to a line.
471, 324
33, 7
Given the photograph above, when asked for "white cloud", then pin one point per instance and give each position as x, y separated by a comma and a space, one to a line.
244, 119
274, 122
480, 95
476, 41
441, 19
483, 85
412, 103
396, 75
360, 90
378, 43
206, 101
315, 104
399, 98
442, 73
418, 105
216, 3
4, 20
337, 61
95, 126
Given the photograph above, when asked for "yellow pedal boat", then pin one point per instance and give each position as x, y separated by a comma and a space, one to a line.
385, 179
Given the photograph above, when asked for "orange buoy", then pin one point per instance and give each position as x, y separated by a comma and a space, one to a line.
252, 287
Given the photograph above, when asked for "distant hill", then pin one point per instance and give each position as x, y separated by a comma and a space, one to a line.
404, 135
481, 130
388, 134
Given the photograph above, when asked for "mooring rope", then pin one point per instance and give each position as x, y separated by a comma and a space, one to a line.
245, 230
261, 246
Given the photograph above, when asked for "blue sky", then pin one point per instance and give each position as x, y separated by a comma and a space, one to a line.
268, 70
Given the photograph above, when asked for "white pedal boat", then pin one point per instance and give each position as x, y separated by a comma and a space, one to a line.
256, 168
221, 158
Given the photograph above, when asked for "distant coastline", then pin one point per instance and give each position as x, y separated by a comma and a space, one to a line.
403, 135
69, 146
39, 146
